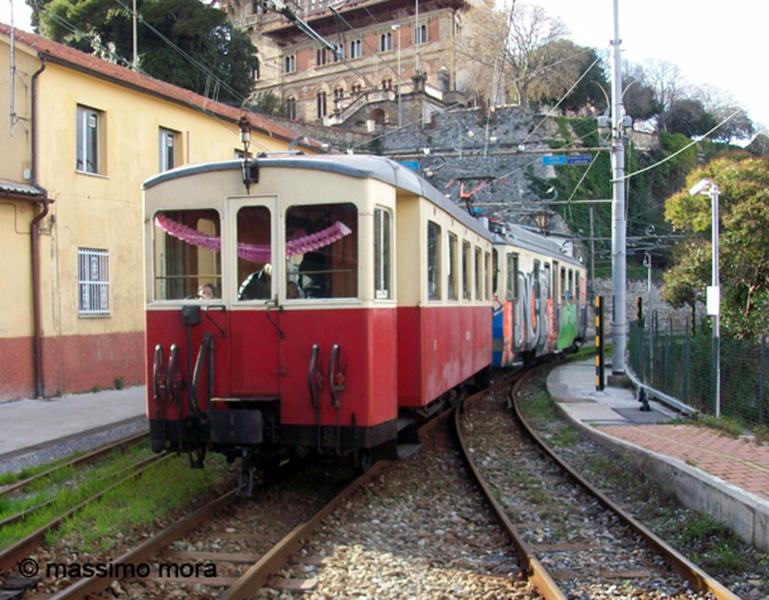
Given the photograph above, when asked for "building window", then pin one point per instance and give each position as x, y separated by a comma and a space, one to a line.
387, 84
452, 267
291, 107
322, 106
290, 64
338, 94
338, 52
356, 88
88, 133
386, 42
167, 142
421, 34
467, 260
320, 56
356, 49
433, 261
256, 73
181, 266
382, 255
330, 269
93, 281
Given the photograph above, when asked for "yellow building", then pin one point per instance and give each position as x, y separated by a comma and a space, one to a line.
79, 137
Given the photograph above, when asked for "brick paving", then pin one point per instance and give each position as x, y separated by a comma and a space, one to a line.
739, 461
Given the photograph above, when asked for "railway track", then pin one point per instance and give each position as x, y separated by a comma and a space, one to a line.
229, 534
22, 548
571, 539
79, 461
229, 543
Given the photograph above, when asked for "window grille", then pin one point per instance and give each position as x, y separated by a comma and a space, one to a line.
93, 282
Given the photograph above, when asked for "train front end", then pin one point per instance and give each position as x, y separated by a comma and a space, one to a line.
265, 307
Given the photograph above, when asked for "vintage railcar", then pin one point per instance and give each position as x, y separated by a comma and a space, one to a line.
321, 308
540, 298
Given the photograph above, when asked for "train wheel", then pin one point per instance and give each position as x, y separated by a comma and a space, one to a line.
363, 460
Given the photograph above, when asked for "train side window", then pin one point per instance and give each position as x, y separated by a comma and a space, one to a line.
537, 291
382, 254
466, 261
512, 277
576, 285
478, 273
433, 261
187, 253
563, 281
547, 281
494, 270
254, 279
322, 251
452, 268
487, 276
571, 283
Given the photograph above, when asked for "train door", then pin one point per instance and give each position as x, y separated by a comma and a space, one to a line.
254, 273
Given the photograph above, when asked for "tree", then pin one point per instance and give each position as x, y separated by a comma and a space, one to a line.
104, 27
688, 117
589, 92
666, 79
721, 104
515, 50
744, 243
639, 97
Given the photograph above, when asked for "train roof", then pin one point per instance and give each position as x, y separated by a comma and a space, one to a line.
523, 238
359, 166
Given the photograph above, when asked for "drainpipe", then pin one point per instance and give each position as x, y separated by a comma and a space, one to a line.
34, 230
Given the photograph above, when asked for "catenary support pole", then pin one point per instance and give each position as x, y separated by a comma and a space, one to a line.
618, 242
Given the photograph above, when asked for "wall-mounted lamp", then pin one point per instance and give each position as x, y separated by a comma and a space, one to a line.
249, 169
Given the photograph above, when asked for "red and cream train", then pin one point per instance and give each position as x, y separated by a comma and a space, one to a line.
324, 308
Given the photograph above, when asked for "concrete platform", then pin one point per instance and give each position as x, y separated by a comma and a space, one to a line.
709, 471
37, 431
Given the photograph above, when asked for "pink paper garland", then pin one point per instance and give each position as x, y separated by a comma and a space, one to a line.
257, 253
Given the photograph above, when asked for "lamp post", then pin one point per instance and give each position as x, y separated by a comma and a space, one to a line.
707, 187
398, 78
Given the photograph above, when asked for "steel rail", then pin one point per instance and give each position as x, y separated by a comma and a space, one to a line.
84, 459
147, 549
531, 566
11, 555
700, 580
257, 575
33, 509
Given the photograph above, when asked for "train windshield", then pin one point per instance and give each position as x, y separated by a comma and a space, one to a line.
187, 255
322, 251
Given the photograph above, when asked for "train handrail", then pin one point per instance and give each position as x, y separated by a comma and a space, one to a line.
205, 351
336, 387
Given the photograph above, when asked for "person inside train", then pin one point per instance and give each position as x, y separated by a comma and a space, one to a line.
257, 285
206, 292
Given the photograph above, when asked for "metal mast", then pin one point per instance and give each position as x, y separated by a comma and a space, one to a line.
619, 226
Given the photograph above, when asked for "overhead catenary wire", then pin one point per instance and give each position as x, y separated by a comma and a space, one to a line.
680, 150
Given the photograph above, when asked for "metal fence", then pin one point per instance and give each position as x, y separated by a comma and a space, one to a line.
668, 356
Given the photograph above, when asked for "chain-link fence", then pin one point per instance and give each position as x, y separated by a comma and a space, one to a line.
670, 355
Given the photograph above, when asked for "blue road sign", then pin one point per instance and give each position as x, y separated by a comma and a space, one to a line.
550, 160
579, 159
411, 164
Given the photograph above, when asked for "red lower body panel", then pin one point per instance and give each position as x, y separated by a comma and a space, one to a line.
439, 348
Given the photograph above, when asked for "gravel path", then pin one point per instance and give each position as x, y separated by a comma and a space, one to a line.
419, 530
586, 548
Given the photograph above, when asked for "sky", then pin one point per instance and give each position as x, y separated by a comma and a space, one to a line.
717, 43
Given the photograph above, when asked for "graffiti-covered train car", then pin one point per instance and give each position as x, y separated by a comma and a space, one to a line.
540, 297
